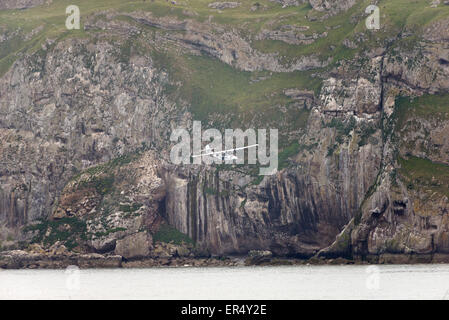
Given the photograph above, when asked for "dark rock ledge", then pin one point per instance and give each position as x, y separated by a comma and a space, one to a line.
20, 259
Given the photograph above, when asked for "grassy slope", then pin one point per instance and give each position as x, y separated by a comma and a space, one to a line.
213, 86
424, 174
421, 173
422, 107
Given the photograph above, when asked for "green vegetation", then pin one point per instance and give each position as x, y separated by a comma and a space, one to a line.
415, 115
130, 208
102, 177
104, 234
286, 153
394, 177
426, 106
167, 234
103, 185
423, 173
414, 15
214, 87
257, 181
210, 191
395, 16
242, 205
366, 131
110, 165
67, 230
343, 129
337, 28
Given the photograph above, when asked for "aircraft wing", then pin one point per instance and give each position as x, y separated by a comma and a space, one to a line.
224, 151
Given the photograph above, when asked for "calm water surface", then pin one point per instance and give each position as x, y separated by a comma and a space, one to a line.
298, 282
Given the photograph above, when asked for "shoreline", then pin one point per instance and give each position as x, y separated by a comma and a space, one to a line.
19, 259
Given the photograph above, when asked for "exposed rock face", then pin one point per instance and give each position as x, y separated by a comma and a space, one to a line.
287, 3
437, 31
21, 4
18, 259
289, 214
227, 45
332, 6
422, 70
223, 5
404, 218
290, 35
258, 257
134, 246
74, 121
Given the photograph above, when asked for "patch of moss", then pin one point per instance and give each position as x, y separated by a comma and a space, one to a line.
210, 191
288, 152
366, 131
426, 106
343, 129
167, 234
257, 180
130, 208
421, 173
107, 232
67, 230
103, 184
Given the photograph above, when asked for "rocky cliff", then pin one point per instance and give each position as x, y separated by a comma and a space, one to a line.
86, 117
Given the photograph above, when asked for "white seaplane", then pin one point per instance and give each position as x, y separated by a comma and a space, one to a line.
226, 155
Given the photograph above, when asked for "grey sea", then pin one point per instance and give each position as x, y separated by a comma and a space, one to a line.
298, 282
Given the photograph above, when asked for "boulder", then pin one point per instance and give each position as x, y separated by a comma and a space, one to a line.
58, 249
258, 257
137, 245
223, 5
165, 250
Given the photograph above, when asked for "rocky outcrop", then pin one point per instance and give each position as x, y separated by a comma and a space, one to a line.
407, 213
404, 216
259, 257
291, 35
222, 43
223, 5
333, 7
73, 123
22, 4
18, 259
422, 70
288, 3
134, 246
